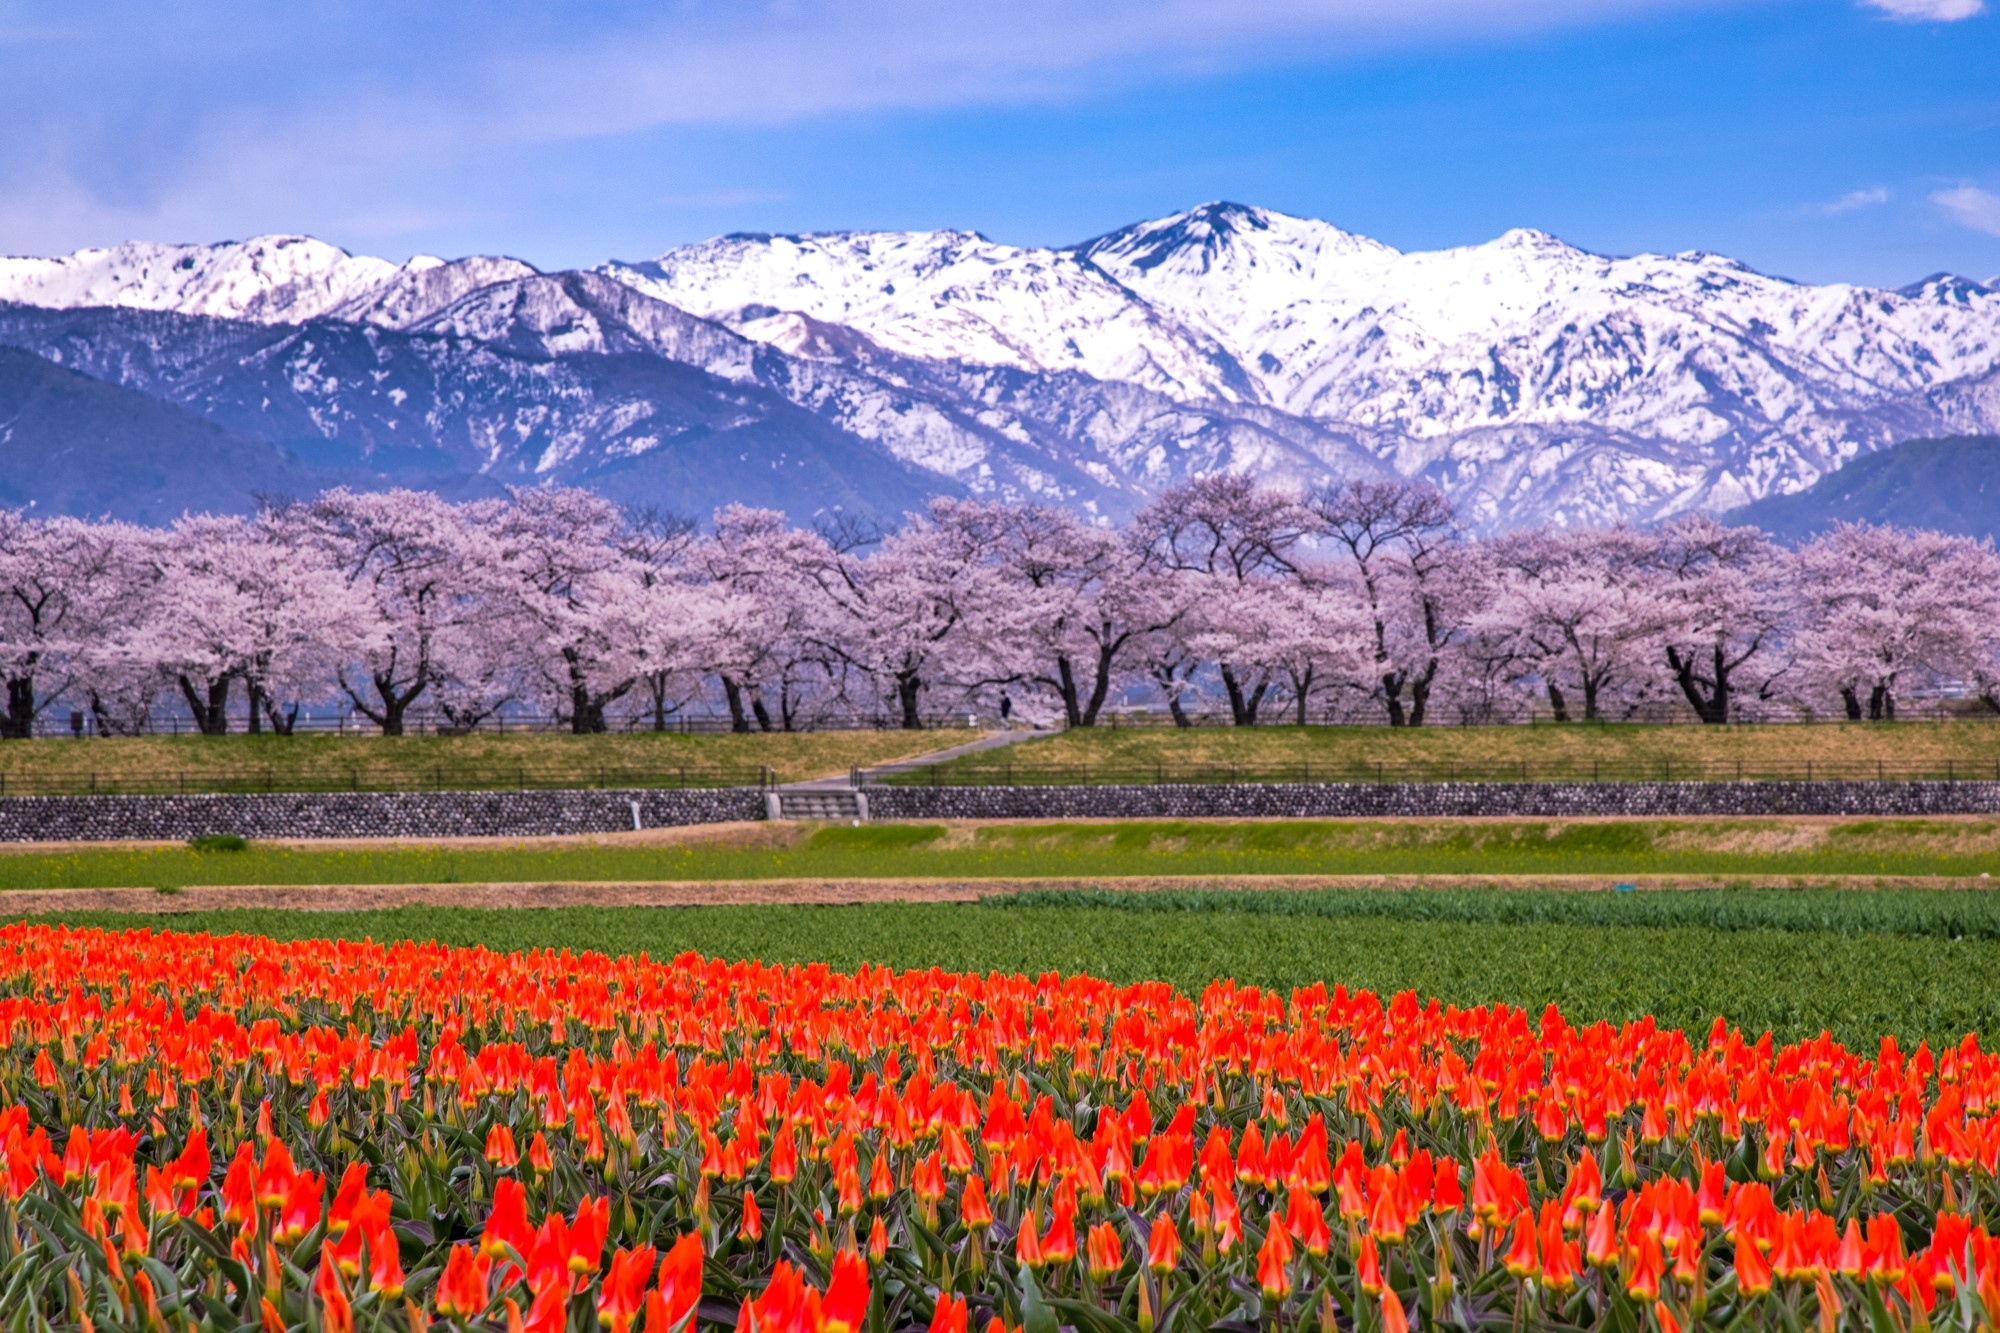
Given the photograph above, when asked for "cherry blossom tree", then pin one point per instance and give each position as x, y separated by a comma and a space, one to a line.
1880, 608
901, 614
770, 614
1723, 597
1581, 619
234, 600
54, 577
1077, 601
1224, 536
567, 599
425, 567
1417, 583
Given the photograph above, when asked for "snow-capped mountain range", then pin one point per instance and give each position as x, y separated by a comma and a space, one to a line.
1532, 380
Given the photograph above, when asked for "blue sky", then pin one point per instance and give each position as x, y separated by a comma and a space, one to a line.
1819, 139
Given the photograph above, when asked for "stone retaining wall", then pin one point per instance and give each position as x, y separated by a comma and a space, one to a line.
540, 813
448, 814
1365, 800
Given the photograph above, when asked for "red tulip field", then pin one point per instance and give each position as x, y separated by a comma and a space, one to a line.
233, 1133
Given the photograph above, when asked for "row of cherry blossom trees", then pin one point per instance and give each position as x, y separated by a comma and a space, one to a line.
1362, 599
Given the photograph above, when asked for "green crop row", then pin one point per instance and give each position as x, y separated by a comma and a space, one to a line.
1913, 913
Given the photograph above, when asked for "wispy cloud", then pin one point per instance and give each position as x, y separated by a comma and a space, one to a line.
124, 115
1854, 200
1972, 207
1927, 11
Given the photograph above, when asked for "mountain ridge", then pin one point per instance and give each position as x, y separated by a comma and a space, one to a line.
1532, 380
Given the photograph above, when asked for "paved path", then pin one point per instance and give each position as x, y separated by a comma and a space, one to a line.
996, 741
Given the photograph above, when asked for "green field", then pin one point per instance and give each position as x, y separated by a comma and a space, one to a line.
1571, 752
1796, 980
1745, 850
321, 762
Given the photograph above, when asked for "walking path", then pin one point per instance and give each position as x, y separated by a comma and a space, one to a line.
996, 741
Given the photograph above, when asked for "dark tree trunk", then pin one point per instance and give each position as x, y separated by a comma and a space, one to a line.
1709, 698
1881, 705
586, 710
284, 721
1557, 704
656, 687
1591, 686
1243, 704
1392, 698
1852, 702
733, 694
391, 703
1100, 689
19, 722
586, 715
1066, 686
255, 723
763, 714
210, 707
909, 686
1302, 693
1420, 694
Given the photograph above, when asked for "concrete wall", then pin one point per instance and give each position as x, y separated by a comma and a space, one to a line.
448, 814
1365, 800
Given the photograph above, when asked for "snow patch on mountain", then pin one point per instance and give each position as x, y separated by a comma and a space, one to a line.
270, 279
948, 296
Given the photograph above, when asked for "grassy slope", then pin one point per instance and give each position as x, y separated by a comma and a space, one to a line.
1796, 982
1970, 747
1744, 848
314, 762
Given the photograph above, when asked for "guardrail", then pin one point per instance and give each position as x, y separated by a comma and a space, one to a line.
331, 778
1004, 773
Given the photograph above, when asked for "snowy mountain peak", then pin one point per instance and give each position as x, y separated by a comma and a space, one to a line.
1224, 237
1949, 289
266, 278
426, 285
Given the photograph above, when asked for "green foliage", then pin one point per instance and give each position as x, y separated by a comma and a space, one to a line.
1794, 980
219, 842
1748, 849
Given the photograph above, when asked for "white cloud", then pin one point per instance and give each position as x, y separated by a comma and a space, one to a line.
1972, 207
1856, 199
1928, 11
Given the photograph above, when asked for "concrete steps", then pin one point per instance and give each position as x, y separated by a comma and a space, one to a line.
829, 804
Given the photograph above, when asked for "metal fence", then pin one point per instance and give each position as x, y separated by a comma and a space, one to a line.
1009, 772
61, 723
334, 777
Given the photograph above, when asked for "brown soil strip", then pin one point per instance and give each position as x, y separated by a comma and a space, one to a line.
836, 892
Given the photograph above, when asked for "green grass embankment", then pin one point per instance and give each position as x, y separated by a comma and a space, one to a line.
1748, 850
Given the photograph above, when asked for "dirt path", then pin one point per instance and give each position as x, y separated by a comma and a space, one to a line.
834, 892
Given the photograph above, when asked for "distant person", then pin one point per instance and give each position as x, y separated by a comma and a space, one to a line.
1007, 711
